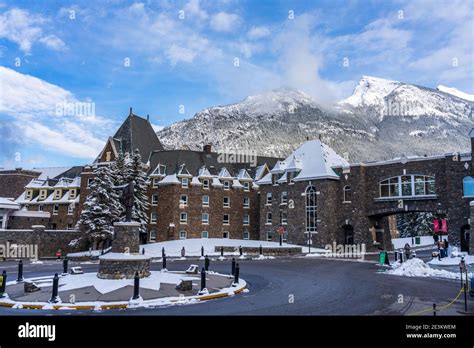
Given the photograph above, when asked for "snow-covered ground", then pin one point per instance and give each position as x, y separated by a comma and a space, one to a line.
417, 268
453, 260
88, 253
424, 240
193, 246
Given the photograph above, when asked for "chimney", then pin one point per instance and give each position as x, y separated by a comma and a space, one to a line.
207, 148
131, 113
148, 117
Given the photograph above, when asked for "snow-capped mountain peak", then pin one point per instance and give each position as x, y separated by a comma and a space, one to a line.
456, 92
370, 91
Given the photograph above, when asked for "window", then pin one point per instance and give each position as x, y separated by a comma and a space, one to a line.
153, 235
226, 185
284, 197
311, 209
183, 218
269, 198
40, 207
205, 218
246, 186
407, 186
205, 201
246, 219
226, 202
226, 219
246, 202
246, 235
108, 155
154, 199
183, 200
182, 234
89, 182
70, 209
225, 234
155, 182
57, 194
55, 209
204, 234
205, 184
347, 194
184, 183
29, 195
43, 194
69, 226
283, 217
269, 237
72, 194
153, 218
468, 183
269, 219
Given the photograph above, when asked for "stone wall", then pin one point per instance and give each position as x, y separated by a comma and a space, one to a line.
48, 241
13, 182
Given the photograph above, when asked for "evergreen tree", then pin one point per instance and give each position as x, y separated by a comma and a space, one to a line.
120, 169
415, 224
102, 206
135, 172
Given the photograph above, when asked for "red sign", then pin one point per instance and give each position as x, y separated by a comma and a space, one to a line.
436, 226
281, 230
444, 226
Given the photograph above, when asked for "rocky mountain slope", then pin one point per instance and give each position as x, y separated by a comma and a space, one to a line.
382, 119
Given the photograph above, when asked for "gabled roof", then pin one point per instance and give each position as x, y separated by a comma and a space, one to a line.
160, 170
243, 175
279, 167
184, 172
224, 174
136, 133
204, 172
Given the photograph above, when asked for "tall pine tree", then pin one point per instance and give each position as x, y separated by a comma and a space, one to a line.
102, 206
415, 224
137, 173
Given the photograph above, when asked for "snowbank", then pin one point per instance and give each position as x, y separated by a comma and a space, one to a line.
417, 268
453, 260
193, 246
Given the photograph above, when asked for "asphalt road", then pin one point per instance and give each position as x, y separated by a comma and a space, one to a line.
291, 286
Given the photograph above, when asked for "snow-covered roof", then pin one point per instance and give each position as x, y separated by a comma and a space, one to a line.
259, 171
294, 165
224, 174
216, 182
195, 181
204, 173
169, 179
35, 183
279, 167
7, 203
244, 175
236, 184
183, 172
50, 172
267, 179
160, 170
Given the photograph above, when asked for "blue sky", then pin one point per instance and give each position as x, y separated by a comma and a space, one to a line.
188, 55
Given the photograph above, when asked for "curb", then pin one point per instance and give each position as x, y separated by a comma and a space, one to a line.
117, 305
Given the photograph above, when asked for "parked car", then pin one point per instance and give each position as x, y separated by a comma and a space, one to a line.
76, 270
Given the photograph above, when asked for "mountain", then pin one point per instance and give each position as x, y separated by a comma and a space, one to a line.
381, 119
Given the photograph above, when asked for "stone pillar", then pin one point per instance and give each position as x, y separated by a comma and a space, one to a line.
471, 229
38, 233
126, 237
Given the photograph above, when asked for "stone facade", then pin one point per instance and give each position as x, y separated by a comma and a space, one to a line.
126, 237
119, 269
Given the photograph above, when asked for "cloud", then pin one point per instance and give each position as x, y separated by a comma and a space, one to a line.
25, 29
193, 9
32, 106
256, 33
225, 22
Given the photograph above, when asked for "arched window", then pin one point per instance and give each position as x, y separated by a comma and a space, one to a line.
347, 194
468, 184
311, 205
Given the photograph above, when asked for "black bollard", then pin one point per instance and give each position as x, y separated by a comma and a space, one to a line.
136, 287
65, 265
222, 251
202, 251
102, 251
233, 266
396, 255
240, 250
236, 275
164, 262
261, 250
143, 251
203, 279
20, 271
206, 263
3, 283
163, 252
54, 296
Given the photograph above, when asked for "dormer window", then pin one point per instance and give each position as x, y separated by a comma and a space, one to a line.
246, 186
155, 182
226, 185
28, 195
205, 184
42, 194
57, 194
72, 194
184, 182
